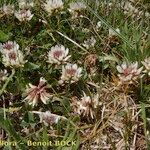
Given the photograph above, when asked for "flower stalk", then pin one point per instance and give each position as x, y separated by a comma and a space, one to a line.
7, 81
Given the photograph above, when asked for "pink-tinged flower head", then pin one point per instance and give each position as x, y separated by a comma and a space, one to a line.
76, 8
13, 59
89, 43
52, 5
71, 72
8, 46
48, 118
24, 15
11, 55
58, 54
36, 93
129, 72
85, 107
8, 9
146, 64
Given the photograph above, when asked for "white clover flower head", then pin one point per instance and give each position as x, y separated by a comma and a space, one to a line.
52, 5
24, 15
77, 6
3, 75
13, 59
89, 43
11, 55
131, 10
85, 30
112, 33
36, 93
85, 107
8, 46
147, 14
98, 25
129, 72
58, 54
47, 117
70, 72
8, 9
24, 4
146, 64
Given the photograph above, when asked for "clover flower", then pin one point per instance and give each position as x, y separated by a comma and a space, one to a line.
89, 42
85, 107
70, 72
147, 14
8, 9
58, 54
36, 93
52, 5
24, 4
129, 9
13, 59
129, 72
146, 64
112, 33
11, 55
98, 25
24, 15
8, 46
76, 8
48, 118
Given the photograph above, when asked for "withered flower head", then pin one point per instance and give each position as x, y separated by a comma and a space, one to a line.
47, 117
90, 60
36, 93
85, 107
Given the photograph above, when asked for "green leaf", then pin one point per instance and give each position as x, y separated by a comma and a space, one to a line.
30, 66
108, 25
76, 147
144, 116
45, 137
7, 126
3, 36
109, 58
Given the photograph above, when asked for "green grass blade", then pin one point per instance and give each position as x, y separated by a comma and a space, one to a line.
109, 26
7, 126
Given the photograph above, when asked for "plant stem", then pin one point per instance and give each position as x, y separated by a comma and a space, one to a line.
7, 81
